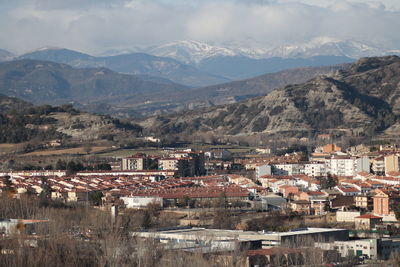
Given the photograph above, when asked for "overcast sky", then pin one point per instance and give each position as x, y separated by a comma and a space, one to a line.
94, 26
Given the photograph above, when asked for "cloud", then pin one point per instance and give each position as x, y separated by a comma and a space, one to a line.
94, 26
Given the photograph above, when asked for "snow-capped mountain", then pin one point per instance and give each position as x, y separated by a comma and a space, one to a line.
6, 55
190, 51
325, 46
193, 52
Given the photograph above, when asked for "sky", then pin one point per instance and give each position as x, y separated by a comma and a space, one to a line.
95, 26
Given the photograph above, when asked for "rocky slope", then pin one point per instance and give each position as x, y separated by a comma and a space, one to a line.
225, 93
21, 121
363, 99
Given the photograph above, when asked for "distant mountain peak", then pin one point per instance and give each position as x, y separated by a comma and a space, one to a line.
49, 48
6, 55
326, 46
189, 51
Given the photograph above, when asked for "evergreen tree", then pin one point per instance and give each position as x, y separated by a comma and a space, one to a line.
61, 165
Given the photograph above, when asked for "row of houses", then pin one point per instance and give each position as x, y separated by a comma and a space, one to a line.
335, 165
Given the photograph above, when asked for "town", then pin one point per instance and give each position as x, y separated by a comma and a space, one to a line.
334, 206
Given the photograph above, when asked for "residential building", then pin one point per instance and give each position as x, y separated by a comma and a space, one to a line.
342, 166
315, 169
378, 165
367, 221
301, 207
287, 189
263, 169
391, 163
363, 164
138, 162
385, 202
287, 169
318, 202
364, 202
329, 148
348, 190
342, 202
184, 167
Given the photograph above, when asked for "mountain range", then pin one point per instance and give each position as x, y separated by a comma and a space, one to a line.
199, 64
240, 62
101, 90
232, 92
216, 69
55, 83
134, 63
6, 55
190, 52
363, 99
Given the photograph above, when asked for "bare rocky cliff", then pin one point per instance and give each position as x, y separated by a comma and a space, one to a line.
363, 99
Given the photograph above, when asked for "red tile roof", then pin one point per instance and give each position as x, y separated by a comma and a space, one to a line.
368, 216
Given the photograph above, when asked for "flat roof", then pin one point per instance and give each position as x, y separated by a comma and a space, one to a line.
218, 234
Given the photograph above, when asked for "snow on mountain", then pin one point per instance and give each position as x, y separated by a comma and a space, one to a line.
325, 46
190, 51
195, 52
6, 55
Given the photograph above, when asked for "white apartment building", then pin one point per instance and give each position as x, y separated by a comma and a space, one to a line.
134, 163
263, 169
315, 169
287, 169
168, 164
343, 166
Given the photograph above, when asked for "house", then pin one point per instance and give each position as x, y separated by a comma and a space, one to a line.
274, 202
348, 190
364, 202
342, 202
363, 187
318, 201
287, 189
329, 148
300, 196
301, 206
385, 201
367, 221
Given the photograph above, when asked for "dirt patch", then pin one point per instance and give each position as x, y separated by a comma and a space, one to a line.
75, 150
